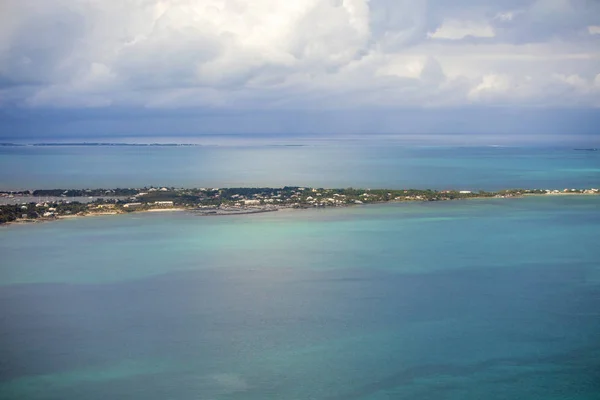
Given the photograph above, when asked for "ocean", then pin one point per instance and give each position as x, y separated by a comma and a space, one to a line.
468, 299
366, 166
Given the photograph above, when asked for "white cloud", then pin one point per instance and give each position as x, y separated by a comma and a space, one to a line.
296, 54
456, 29
491, 85
575, 81
507, 15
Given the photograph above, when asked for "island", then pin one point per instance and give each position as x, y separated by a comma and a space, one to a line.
47, 205
96, 144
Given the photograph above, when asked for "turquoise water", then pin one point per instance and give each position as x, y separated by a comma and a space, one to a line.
376, 166
479, 299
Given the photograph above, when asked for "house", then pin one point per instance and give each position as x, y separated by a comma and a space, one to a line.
251, 202
132, 205
164, 203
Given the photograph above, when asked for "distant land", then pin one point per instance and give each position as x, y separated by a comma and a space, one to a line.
119, 144
108, 144
98, 144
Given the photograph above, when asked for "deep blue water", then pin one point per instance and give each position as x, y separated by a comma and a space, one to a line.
480, 299
392, 166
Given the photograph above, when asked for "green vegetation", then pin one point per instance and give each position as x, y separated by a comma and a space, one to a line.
227, 199
33, 211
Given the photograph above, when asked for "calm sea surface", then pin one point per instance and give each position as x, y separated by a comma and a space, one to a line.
478, 299
393, 166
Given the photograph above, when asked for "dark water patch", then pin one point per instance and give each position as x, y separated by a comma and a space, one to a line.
218, 315
570, 371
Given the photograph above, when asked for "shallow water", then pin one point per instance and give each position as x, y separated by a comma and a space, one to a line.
494, 299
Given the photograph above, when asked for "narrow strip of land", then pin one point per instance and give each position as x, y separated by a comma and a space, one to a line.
44, 205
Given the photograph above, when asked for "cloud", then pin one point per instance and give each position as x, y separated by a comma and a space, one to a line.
456, 29
303, 54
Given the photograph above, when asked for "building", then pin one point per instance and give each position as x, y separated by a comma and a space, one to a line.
132, 205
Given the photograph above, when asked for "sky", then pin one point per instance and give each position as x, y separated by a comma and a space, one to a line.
487, 70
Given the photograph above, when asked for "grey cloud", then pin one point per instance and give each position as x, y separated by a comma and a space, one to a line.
167, 59
39, 50
483, 125
324, 37
549, 19
398, 23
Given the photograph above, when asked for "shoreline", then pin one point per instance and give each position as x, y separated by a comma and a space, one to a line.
560, 194
224, 213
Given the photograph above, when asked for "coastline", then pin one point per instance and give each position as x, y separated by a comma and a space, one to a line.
160, 210
88, 215
246, 211
560, 194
